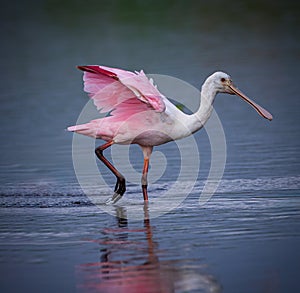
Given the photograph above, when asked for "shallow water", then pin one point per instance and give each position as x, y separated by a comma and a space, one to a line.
52, 235
245, 239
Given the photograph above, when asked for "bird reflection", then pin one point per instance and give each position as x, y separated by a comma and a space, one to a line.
129, 262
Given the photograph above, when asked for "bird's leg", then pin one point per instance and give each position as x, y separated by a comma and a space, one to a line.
120, 187
144, 179
147, 153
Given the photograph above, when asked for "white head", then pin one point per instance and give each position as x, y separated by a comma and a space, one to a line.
220, 82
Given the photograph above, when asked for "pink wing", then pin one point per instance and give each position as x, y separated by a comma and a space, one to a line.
120, 91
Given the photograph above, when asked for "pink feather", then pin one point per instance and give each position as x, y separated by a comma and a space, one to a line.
122, 92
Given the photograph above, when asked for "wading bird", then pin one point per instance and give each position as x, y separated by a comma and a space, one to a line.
140, 114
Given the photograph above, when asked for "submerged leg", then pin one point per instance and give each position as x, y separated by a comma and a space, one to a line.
120, 187
147, 153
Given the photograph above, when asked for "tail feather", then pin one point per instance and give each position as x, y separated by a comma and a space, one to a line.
77, 128
95, 128
84, 129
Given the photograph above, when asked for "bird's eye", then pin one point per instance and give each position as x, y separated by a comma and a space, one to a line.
223, 79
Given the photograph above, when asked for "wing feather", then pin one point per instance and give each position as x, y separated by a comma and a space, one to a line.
121, 91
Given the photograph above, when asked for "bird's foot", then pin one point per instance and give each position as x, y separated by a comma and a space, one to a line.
120, 189
116, 197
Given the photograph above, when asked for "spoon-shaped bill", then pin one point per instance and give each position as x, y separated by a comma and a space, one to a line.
260, 110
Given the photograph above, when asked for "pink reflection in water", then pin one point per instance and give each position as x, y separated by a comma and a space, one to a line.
134, 266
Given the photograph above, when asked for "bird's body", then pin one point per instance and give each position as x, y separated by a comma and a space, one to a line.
140, 114
132, 119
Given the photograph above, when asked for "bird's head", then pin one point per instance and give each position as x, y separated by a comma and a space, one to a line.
222, 83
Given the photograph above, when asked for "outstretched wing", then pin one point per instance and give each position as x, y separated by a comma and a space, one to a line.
121, 92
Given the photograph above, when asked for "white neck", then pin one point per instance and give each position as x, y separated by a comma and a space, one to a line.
198, 119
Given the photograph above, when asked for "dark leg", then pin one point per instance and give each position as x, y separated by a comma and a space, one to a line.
144, 179
147, 151
120, 187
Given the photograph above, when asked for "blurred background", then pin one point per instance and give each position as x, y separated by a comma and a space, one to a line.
246, 239
257, 42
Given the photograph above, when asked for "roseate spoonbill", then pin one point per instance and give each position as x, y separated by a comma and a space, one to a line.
140, 114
